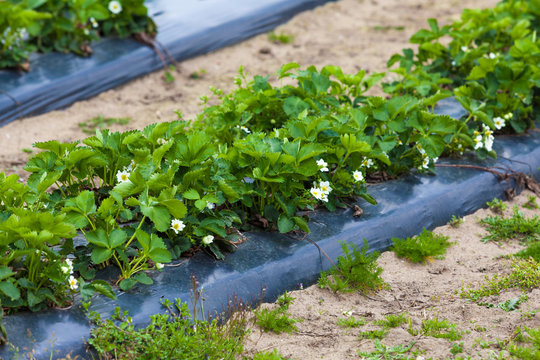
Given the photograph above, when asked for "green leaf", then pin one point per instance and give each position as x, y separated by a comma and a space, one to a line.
301, 223
285, 224
176, 207
10, 290
159, 215
284, 71
127, 284
191, 194
98, 237
116, 238
143, 278
5, 272
86, 202
100, 255
104, 288
231, 194
293, 106
160, 256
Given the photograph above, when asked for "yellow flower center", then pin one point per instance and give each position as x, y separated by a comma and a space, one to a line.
124, 177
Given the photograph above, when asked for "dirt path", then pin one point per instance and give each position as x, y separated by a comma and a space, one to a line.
418, 292
352, 34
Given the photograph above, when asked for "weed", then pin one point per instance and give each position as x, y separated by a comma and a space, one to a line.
455, 221
456, 348
531, 203
532, 251
351, 322
197, 74
496, 205
525, 275
525, 343
373, 334
168, 75
355, 271
422, 247
274, 355
387, 27
282, 38
529, 314
526, 230
285, 300
27, 150
101, 122
386, 352
436, 328
176, 335
392, 321
275, 320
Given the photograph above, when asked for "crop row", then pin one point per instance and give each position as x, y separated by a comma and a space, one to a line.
65, 26
263, 153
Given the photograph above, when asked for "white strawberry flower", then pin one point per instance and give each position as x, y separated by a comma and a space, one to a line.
115, 7
425, 162
358, 175
122, 176
478, 142
464, 49
488, 142
73, 283
159, 266
492, 55
177, 225
508, 116
325, 187
243, 128
323, 165
316, 192
208, 239
367, 163
94, 22
210, 205
499, 123
324, 197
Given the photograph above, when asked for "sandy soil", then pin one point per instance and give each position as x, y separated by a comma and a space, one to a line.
353, 34
419, 291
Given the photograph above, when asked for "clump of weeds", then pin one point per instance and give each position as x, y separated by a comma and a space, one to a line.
496, 205
277, 320
515, 227
356, 270
421, 248
101, 122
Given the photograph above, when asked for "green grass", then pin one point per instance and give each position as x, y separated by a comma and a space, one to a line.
442, 329
101, 122
525, 275
515, 227
421, 248
281, 38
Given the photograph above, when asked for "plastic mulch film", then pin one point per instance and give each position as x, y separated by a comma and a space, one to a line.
186, 28
278, 262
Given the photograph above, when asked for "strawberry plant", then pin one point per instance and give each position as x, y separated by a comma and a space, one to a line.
65, 26
490, 64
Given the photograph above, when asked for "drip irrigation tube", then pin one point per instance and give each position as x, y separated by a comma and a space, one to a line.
279, 262
186, 28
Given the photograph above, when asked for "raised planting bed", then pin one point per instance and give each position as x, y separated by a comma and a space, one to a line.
186, 29
277, 263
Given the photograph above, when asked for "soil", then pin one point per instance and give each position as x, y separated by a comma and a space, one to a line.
352, 34
419, 291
